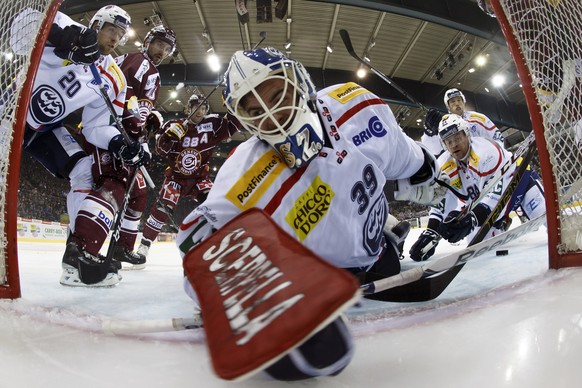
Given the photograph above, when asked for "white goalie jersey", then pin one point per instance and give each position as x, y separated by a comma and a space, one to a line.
62, 87
335, 205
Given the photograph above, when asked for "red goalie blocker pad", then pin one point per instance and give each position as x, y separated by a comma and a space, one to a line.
262, 293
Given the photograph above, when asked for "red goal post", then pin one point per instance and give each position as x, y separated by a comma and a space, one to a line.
544, 37
24, 27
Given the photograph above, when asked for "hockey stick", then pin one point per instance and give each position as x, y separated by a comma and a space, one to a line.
263, 35
150, 325
430, 280
118, 123
348, 43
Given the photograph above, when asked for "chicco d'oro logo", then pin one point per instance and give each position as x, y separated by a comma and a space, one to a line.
188, 161
46, 105
310, 208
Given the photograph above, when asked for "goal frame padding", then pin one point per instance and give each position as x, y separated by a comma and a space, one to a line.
556, 259
12, 289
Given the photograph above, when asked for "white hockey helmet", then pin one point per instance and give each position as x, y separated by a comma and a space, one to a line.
114, 15
486, 7
299, 138
452, 93
450, 125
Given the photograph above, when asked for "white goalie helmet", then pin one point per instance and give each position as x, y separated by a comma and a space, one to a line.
452, 93
290, 123
114, 15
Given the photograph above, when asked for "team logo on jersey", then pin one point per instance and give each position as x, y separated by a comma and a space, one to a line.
346, 92
373, 235
46, 105
375, 129
310, 208
247, 191
188, 161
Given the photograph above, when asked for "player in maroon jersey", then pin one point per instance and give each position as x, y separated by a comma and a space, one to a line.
143, 79
188, 147
112, 177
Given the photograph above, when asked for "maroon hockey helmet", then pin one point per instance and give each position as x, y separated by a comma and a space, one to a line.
162, 33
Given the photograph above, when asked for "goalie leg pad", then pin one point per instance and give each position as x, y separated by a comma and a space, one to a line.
326, 353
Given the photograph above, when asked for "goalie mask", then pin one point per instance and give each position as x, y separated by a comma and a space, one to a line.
455, 136
452, 93
114, 15
273, 98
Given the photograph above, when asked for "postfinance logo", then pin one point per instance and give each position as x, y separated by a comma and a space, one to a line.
346, 92
247, 191
310, 208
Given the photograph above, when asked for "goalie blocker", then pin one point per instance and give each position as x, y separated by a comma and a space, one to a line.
260, 311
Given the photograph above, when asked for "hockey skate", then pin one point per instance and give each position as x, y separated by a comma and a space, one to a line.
128, 259
78, 273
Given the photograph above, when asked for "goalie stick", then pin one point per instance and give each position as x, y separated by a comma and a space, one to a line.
428, 281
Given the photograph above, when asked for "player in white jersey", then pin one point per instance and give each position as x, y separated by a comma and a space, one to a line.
479, 124
317, 164
64, 83
470, 162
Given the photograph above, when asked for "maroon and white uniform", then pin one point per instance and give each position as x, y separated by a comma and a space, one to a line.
111, 176
188, 172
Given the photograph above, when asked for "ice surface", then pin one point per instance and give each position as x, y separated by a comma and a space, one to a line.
504, 321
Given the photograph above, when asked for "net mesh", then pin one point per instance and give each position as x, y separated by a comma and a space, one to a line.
20, 22
550, 38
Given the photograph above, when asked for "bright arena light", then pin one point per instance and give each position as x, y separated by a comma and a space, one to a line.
498, 80
481, 60
361, 73
174, 94
213, 62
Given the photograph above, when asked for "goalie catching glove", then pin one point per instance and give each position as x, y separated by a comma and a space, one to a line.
454, 229
134, 154
75, 43
422, 187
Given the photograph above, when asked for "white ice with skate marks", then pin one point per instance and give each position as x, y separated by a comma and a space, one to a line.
156, 292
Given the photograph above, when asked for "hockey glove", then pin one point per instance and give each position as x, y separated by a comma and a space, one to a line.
425, 246
454, 229
75, 43
176, 130
153, 122
431, 122
133, 154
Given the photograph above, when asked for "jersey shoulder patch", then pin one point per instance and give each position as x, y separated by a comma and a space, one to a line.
474, 116
346, 92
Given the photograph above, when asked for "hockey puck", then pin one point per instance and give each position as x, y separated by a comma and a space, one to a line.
502, 252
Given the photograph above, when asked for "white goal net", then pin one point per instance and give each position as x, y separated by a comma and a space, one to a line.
22, 28
545, 38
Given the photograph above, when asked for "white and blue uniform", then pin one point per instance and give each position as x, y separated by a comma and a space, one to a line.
485, 159
60, 88
335, 205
